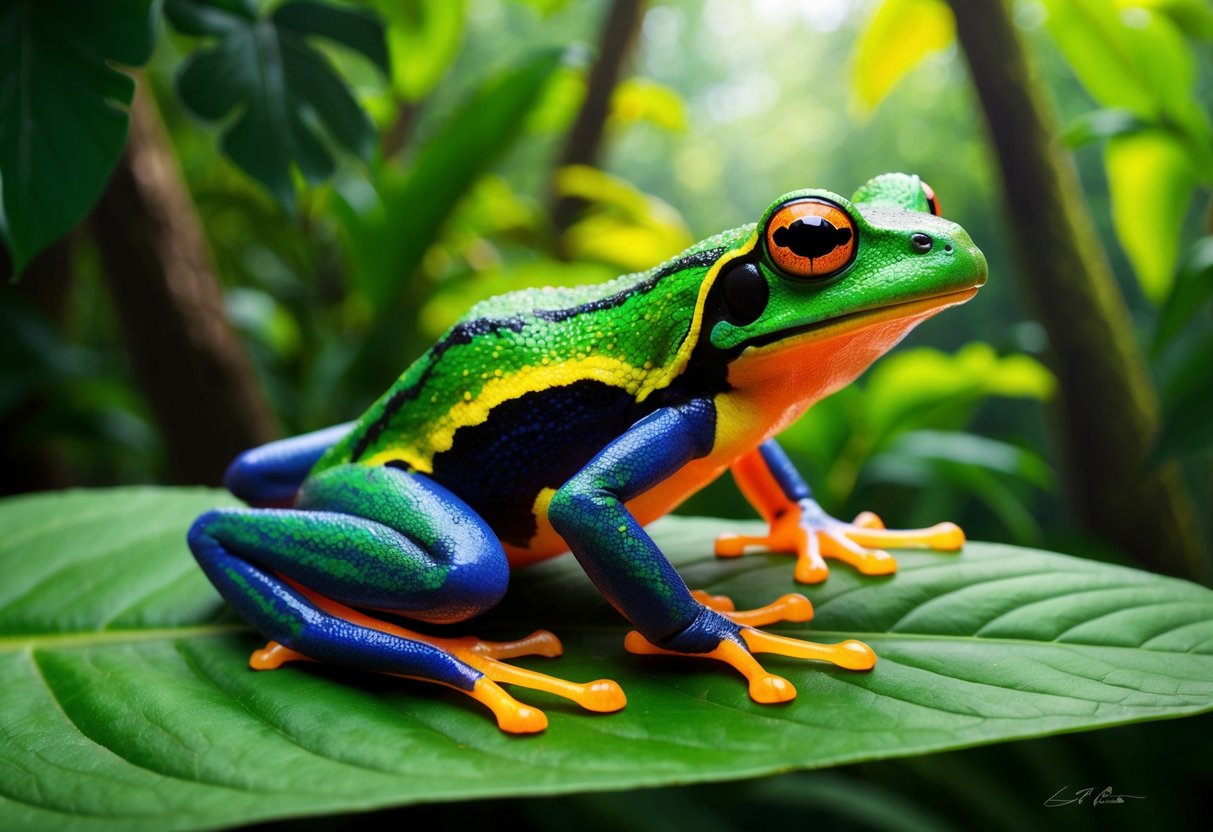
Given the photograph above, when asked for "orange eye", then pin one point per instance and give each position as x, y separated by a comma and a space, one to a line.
932, 200
810, 238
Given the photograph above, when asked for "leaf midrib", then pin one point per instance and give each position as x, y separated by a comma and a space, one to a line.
15, 643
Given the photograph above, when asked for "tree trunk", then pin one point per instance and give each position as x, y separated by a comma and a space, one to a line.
585, 139
1108, 414
187, 359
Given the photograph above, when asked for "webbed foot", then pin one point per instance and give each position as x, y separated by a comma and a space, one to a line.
805, 530
601, 695
765, 687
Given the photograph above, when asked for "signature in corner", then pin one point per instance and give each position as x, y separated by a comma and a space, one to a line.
1104, 798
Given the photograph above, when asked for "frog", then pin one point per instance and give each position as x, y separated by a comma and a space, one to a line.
568, 419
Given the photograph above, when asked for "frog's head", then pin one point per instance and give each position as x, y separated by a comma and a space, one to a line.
838, 282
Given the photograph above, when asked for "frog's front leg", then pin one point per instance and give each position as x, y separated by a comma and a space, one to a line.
589, 512
799, 525
385, 539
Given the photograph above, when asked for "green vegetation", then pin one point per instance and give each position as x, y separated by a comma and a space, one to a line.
302, 195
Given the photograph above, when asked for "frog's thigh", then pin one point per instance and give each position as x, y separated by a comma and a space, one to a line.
373, 537
270, 475
452, 574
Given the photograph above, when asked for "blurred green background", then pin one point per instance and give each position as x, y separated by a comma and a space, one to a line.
272, 249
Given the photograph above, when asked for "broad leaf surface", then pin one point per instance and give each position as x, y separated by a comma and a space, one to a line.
62, 110
127, 703
283, 88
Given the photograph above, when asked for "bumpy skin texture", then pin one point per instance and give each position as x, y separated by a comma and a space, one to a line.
556, 419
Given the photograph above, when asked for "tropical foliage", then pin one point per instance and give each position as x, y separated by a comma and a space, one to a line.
358, 173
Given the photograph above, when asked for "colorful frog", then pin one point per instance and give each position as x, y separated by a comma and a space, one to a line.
552, 420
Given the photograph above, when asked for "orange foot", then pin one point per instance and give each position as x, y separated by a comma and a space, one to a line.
765, 687
806, 531
602, 695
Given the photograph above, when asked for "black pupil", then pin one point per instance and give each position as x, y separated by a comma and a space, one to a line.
921, 242
811, 237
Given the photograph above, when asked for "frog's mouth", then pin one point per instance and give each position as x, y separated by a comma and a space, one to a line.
909, 312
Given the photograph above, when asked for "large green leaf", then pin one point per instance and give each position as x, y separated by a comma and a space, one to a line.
62, 110
282, 86
1150, 169
127, 702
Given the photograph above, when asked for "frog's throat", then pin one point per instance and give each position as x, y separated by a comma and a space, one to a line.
913, 312
773, 384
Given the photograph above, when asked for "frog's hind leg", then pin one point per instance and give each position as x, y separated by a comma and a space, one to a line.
378, 538
799, 525
270, 474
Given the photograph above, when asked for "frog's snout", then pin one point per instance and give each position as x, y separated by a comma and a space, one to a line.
982, 270
967, 259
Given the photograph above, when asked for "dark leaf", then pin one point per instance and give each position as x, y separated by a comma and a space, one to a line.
390, 236
1192, 288
63, 113
287, 93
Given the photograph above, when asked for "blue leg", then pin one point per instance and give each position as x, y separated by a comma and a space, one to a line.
589, 512
369, 537
269, 475
377, 537
620, 558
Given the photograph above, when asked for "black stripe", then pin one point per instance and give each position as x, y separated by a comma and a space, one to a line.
466, 331
703, 258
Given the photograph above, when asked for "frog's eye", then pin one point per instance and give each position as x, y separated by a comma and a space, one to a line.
810, 238
932, 200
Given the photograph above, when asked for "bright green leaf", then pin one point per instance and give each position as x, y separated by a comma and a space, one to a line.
622, 225
62, 110
923, 387
1194, 17
561, 101
127, 701
545, 8
1120, 65
423, 38
900, 34
282, 86
640, 99
391, 224
1150, 183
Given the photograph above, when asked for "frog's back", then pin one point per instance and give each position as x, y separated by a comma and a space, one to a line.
523, 390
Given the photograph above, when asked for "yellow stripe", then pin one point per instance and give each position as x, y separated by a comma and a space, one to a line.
440, 435
683, 356
639, 382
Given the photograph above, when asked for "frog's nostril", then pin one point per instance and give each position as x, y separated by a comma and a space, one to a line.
921, 243
948, 248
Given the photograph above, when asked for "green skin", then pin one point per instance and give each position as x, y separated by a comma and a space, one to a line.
568, 418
